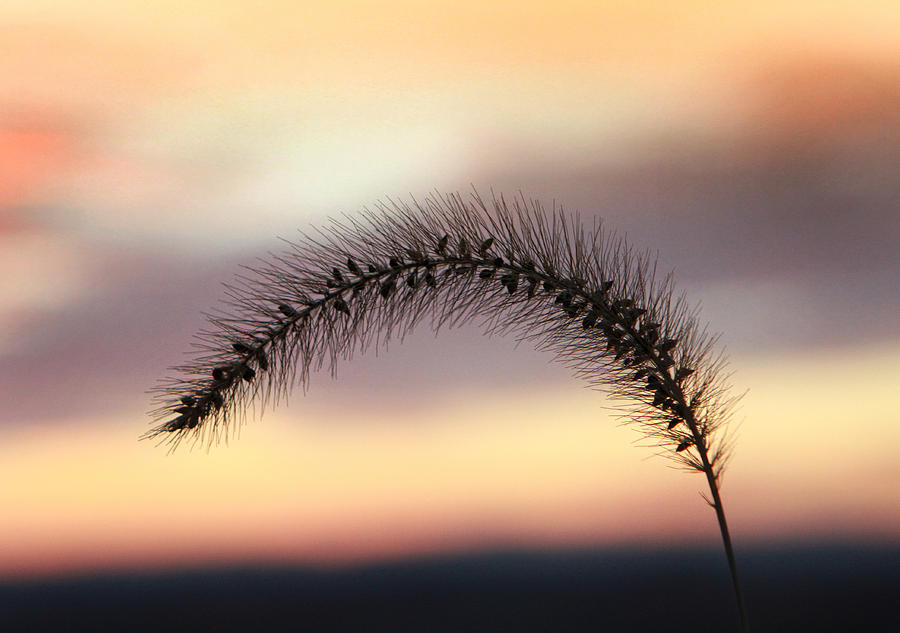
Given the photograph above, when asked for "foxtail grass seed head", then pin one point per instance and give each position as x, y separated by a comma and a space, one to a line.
603, 312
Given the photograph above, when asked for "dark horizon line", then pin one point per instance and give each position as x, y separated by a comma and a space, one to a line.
640, 554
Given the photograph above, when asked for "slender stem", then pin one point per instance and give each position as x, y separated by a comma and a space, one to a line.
726, 539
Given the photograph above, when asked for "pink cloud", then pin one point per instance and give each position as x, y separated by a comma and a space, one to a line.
32, 150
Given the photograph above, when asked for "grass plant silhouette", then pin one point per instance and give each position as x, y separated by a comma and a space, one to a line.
587, 296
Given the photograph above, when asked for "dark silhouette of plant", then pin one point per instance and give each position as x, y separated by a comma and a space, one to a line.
586, 296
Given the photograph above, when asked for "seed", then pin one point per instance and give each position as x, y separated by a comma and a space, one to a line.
573, 309
442, 244
175, 425
640, 354
487, 273
415, 255
667, 344
684, 445
248, 374
511, 281
352, 267
412, 280
240, 348
658, 398
341, 306
337, 275
287, 310
485, 245
673, 423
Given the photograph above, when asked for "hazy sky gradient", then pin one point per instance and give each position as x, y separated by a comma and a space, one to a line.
145, 153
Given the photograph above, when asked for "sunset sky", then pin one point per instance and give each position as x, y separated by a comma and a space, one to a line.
147, 150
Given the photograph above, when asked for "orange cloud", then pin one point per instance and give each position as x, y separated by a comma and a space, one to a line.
819, 100
31, 151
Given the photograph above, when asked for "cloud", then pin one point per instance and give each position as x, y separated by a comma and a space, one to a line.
114, 335
45, 275
32, 146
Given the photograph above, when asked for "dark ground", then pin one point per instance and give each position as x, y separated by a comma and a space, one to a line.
791, 589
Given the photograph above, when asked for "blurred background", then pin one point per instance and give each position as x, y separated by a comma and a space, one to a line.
147, 150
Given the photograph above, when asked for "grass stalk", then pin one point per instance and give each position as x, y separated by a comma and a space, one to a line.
729, 550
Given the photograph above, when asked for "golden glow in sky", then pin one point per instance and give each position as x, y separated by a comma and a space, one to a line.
474, 470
